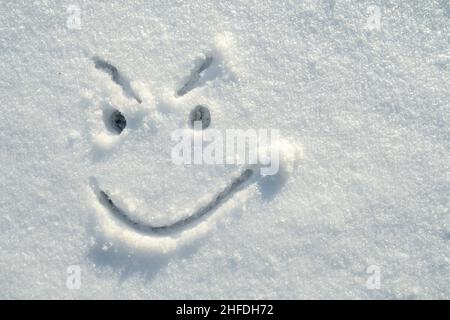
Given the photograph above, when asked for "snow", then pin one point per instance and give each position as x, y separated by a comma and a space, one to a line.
363, 111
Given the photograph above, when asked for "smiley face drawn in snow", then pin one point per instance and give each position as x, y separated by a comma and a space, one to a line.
143, 199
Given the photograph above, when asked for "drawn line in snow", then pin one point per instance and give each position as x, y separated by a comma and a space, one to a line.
117, 77
105, 199
195, 76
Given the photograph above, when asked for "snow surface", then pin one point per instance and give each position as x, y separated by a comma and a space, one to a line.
368, 111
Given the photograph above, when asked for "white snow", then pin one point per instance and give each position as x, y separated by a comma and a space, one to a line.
363, 110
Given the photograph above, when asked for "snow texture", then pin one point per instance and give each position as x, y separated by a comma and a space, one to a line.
91, 91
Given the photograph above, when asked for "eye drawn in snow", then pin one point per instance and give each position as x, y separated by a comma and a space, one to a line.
115, 121
130, 109
200, 113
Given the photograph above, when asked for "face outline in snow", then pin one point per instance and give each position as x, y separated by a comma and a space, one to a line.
117, 216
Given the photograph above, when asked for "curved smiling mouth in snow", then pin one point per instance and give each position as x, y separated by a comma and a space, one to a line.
235, 185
